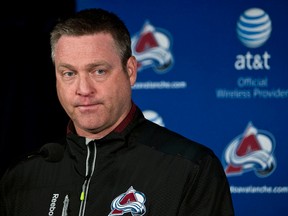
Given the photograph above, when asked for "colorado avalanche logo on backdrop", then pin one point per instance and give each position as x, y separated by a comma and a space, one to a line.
252, 151
151, 47
131, 201
154, 117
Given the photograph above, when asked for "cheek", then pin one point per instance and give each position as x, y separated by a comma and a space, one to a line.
60, 96
123, 91
63, 94
123, 86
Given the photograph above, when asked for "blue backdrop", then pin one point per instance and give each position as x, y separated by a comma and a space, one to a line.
216, 72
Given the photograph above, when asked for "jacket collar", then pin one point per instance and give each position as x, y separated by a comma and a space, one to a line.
106, 146
120, 128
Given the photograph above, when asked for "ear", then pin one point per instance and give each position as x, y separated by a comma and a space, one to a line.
132, 70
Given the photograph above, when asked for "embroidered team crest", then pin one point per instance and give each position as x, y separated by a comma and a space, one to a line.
131, 201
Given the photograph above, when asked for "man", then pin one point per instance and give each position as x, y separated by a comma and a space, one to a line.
112, 161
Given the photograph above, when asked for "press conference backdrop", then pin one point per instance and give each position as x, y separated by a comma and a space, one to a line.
217, 72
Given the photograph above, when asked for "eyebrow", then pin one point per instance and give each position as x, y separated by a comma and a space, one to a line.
88, 67
99, 63
64, 65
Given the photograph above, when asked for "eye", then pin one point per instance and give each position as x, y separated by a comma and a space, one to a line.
100, 72
68, 74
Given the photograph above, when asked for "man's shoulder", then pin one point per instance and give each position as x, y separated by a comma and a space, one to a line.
171, 142
19, 171
33, 164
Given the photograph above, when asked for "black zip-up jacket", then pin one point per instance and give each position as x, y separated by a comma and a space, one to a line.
138, 169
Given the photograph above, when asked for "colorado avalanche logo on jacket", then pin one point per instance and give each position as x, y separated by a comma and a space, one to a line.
131, 201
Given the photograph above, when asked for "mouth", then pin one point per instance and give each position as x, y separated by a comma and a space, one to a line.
88, 107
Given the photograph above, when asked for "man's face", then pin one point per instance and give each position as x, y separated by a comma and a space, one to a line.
91, 84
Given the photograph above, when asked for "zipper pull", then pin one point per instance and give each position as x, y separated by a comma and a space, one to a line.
82, 196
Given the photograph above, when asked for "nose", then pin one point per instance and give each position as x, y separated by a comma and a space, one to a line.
85, 85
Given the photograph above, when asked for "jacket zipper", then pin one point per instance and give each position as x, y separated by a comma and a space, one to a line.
90, 167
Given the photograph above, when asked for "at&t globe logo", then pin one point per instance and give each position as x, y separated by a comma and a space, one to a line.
253, 30
254, 27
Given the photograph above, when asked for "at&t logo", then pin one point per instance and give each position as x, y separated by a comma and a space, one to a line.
253, 29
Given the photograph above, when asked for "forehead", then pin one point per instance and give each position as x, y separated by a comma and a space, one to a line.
97, 46
85, 42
